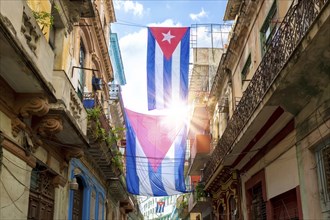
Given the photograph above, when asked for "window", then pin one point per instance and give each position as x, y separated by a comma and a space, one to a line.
246, 68
258, 206
100, 213
323, 169
41, 198
268, 28
81, 74
92, 205
285, 206
232, 208
256, 196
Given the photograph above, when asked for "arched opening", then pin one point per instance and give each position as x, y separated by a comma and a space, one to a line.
222, 215
232, 208
78, 196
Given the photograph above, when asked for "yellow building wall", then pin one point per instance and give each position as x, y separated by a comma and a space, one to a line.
42, 6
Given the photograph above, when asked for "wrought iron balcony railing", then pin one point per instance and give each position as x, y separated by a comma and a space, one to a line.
299, 18
91, 101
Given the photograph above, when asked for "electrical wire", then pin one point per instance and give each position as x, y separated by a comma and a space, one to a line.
11, 199
22, 168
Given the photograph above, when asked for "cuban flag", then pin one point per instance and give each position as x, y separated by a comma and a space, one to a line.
160, 206
167, 66
155, 154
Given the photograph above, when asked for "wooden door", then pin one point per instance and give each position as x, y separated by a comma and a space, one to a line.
78, 196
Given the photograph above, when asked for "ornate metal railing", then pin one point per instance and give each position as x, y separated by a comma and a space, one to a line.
291, 31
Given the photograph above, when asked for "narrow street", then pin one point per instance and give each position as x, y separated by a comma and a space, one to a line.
164, 110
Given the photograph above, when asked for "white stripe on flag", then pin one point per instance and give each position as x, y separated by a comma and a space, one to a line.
168, 173
176, 74
159, 90
142, 170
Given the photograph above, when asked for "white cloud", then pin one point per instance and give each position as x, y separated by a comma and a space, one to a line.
197, 17
129, 6
208, 36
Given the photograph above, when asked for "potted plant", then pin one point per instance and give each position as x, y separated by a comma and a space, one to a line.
200, 192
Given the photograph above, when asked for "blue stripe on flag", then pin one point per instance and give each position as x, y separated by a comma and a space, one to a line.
184, 66
132, 179
180, 149
156, 183
151, 71
167, 73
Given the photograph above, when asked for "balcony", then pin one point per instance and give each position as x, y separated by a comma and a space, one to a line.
118, 192
103, 144
77, 9
69, 101
281, 80
26, 59
198, 201
182, 206
199, 123
199, 154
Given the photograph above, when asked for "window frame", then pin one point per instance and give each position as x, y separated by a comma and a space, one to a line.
246, 68
324, 189
81, 72
268, 27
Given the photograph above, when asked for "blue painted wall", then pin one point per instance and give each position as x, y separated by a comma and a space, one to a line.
90, 184
116, 60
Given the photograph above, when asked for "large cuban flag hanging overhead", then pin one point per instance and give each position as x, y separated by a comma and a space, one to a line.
155, 151
167, 66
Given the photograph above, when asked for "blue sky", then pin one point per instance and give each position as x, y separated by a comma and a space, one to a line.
132, 19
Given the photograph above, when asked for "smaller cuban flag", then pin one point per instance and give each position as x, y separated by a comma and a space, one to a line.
160, 206
167, 66
155, 154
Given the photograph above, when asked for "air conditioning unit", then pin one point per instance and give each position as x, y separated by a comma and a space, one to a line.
114, 91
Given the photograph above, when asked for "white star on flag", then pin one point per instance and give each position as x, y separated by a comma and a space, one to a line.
168, 37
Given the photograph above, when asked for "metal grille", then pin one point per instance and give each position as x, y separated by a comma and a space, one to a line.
41, 182
258, 206
41, 198
326, 160
294, 27
285, 206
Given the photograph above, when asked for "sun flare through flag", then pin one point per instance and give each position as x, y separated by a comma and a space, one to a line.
155, 151
167, 66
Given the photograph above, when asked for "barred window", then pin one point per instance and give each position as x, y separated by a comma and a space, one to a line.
258, 206
42, 194
323, 169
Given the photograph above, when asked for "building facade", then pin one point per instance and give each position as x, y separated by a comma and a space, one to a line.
268, 109
60, 156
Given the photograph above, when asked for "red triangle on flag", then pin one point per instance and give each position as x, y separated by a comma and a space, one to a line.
168, 38
155, 136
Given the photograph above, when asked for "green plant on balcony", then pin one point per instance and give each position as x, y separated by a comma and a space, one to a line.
93, 113
43, 18
199, 191
94, 125
183, 204
117, 159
